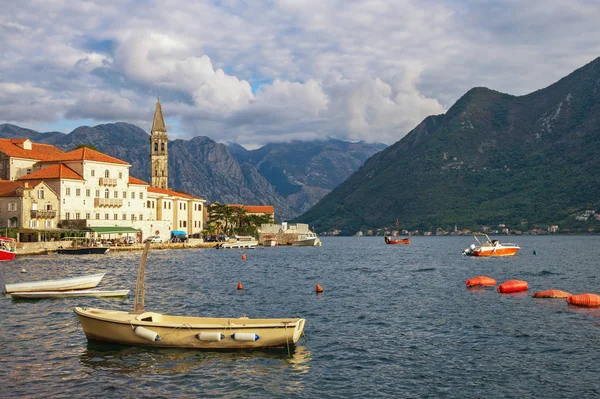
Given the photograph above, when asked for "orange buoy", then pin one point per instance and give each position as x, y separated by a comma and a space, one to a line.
243, 256
588, 300
480, 280
319, 288
551, 294
240, 287
513, 286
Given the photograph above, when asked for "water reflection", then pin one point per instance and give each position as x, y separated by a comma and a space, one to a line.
136, 360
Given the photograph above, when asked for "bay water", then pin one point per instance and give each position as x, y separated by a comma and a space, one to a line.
393, 321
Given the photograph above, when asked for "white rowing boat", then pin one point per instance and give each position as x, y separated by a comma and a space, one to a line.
70, 294
64, 284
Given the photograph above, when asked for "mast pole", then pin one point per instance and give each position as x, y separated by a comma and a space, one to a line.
139, 284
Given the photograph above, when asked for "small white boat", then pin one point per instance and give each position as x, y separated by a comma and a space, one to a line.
241, 242
64, 284
487, 247
307, 240
270, 242
69, 294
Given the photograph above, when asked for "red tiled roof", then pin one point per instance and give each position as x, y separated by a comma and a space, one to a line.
9, 187
57, 171
133, 180
255, 208
38, 151
165, 191
86, 154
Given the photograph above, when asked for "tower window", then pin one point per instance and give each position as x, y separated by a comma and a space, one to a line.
155, 147
162, 146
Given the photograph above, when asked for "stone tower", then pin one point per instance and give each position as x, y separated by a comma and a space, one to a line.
159, 155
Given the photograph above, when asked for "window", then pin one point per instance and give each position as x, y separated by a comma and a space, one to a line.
184, 223
106, 173
116, 194
133, 194
97, 193
49, 223
180, 206
67, 216
124, 216
116, 217
48, 207
169, 205
33, 223
132, 216
106, 193
120, 175
141, 216
28, 171
164, 205
12, 206
68, 191
180, 223
93, 172
98, 216
88, 192
77, 192
106, 216
87, 216
141, 195
162, 147
124, 194
41, 193
77, 215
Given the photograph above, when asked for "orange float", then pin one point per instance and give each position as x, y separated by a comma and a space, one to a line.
480, 280
240, 287
589, 300
513, 286
551, 294
243, 256
319, 288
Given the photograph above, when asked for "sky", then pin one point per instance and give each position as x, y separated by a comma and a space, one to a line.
279, 70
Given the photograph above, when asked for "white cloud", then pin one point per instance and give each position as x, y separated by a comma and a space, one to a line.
275, 71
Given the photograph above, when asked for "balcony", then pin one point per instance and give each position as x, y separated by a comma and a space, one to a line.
108, 202
106, 181
43, 214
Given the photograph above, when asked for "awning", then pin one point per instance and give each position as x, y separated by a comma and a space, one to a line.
178, 232
112, 229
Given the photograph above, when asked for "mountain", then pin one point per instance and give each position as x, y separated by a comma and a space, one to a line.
224, 173
492, 158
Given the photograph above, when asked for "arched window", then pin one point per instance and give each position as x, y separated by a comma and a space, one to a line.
106, 173
155, 147
106, 193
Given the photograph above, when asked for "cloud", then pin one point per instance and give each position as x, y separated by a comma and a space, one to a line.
358, 70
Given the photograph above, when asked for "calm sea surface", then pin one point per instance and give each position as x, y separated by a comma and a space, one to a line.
394, 321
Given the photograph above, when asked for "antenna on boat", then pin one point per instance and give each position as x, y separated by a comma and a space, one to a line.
139, 284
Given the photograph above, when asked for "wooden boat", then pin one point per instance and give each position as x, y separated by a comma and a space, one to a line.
8, 249
397, 240
64, 284
307, 240
241, 242
486, 247
155, 329
70, 294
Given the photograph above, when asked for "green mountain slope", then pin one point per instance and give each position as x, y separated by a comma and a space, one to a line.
492, 158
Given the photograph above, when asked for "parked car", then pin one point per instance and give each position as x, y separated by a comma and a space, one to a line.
129, 240
154, 239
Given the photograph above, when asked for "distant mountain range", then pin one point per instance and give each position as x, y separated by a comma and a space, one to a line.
290, 176
492, 159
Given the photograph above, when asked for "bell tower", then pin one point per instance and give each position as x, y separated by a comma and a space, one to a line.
159, 155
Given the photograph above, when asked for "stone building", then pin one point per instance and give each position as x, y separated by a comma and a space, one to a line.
159, 151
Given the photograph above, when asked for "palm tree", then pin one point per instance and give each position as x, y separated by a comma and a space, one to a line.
241, 215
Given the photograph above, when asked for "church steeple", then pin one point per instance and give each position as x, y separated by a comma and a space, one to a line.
159, 155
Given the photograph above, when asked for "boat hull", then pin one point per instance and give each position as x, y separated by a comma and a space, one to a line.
69, 294
65, 284
484, 252
403, 241
82, 251
238, 245
6, 255
309, 242
182, 332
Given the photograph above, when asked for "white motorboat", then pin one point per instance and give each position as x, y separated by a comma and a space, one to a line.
241, 242
63, 284
307, 240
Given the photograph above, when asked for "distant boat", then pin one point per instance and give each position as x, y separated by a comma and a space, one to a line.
307, 240
396, 239
241, 242
64, 284
69, 294
484, 246
271, 242
8, 249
